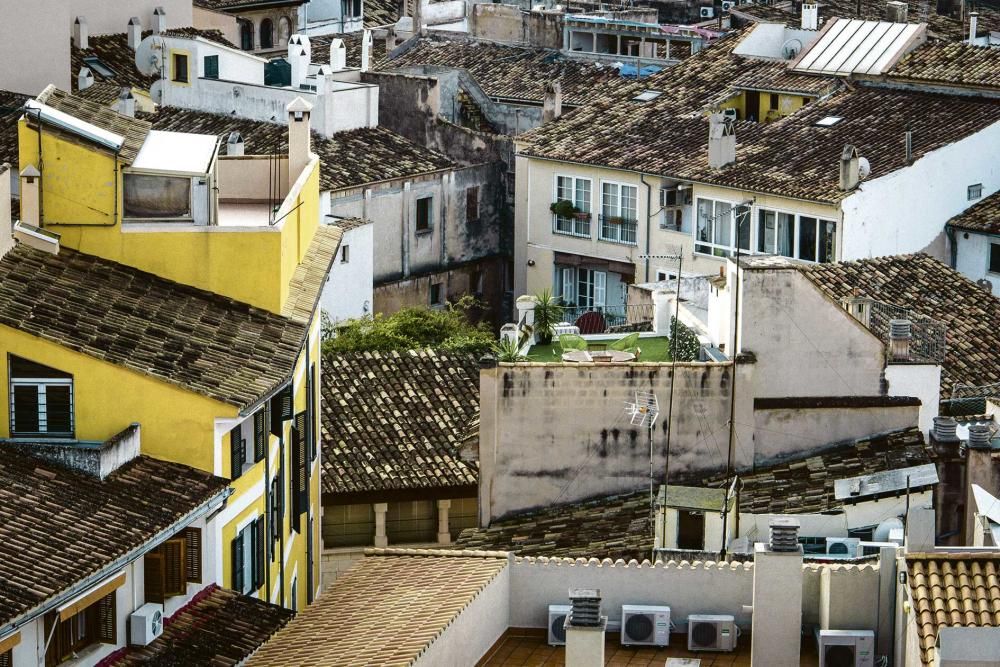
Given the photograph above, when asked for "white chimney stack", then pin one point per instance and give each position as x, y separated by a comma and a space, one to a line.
84, 79
235, 145
6, 231
896, 12
299, 50
299, 135
29, 195
159, 20
134, 32
81, 34
366, 50
390, 41
552, 102
810, 16
721, 141
126, 103
338, 55
973, 26
849, 168
776, 628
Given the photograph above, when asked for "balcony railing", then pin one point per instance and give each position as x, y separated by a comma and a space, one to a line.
610, 319
616, 229
576, 225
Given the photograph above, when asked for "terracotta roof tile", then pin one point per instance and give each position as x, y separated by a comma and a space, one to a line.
217, 627
320, 45
134, 130
958, 64
60, 526
234, 5
386, 610
10, 112
983, 217
953, 590
395, 420
310, 275
204, 342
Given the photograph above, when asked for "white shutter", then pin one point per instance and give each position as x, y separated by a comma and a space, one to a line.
600, 288
568, 280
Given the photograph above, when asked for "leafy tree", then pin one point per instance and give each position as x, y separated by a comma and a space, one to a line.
448, 329
686, 347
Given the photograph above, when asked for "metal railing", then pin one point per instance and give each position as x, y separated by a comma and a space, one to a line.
577, 225
610, 319
970, 399
615, 229
928, 337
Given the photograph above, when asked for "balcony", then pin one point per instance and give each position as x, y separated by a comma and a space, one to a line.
576, 225
616, 229
610, 319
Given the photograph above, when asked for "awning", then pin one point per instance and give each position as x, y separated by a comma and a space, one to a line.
84, 600
567, 259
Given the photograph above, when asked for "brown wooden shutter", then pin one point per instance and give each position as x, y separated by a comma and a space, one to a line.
260, 557
52, 654
259, 435
154, 574
175, 559
106, 630
7, 658
192, 554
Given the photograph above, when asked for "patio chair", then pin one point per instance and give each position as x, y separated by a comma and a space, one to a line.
591, 322
629, 343
569, 342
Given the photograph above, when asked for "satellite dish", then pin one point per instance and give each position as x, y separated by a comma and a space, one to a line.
791, 48
156, 92
149, 55
864, 168
881, 532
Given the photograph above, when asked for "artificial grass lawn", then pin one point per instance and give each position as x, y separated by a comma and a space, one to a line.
653, 349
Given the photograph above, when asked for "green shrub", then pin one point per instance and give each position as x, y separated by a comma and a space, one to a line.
686, 347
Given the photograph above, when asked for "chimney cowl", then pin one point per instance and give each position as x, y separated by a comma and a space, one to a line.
586, 611
338, 55
896, 12
235, 145
159, 20
945, 429
84, 79
979, 436
784, 534
810, 15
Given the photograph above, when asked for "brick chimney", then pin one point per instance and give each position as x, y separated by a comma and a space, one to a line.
849, 169
895, 11
721, 141
810, 15
85, 79
298, 138
159, 20
338, 55
552, 103
81, 34
776, 633
134, 30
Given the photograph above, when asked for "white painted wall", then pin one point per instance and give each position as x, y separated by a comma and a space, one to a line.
349, 290
443, 12
972, 257
920, 380
30, 66
906, 210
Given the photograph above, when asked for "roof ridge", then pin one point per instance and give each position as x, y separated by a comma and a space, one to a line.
448, 553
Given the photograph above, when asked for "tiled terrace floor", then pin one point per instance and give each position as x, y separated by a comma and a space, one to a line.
527, 648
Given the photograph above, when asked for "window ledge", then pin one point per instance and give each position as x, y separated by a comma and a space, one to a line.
421, 232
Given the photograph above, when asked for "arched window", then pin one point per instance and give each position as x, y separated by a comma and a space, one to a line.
284, 31
267, 34
246, 35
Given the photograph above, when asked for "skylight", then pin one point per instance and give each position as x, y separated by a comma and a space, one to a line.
829, 121
647, 95
97, 65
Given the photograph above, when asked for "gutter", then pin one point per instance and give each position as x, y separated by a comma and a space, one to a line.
206, 508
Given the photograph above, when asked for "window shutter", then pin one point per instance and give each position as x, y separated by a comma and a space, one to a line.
6, 658
192, 555
25, 409
106, 625
275, 516
296, 465
260, 557
237, 452
310, 430
472, 204
281, 409
259, 435
237, 549
211, 67
154, 573
175, 559
51, 655
301, 471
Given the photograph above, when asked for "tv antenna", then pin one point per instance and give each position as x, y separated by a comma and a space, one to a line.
643, 411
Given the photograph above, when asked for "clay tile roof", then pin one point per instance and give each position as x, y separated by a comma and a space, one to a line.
217, 627
60, 526
347, 224
930, 289
983, 217
320, 45
775, 77
381, 12
512, 72
395, 420
201, 341
386, 610
951, 64
953, 590
347, 159
235, 5
134, 130
310, 275
10, 112
618, 526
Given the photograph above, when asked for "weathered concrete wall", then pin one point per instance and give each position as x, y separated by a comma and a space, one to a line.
555, 433
510, 24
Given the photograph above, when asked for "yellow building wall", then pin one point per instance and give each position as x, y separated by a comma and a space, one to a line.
787, 104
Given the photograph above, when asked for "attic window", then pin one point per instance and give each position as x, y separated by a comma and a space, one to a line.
647, 96
829, 121
97, 65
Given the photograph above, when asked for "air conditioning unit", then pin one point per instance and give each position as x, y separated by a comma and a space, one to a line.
557, 621
727, 5
146, 624
707, 632
707, 12
846, 648
842, 546
645, 625
872, 548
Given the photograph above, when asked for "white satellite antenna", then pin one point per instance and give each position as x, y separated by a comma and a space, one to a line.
149, 55
791, 48
156, 91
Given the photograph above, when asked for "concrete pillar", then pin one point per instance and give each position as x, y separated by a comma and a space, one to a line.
444, 535
920, 530
776, 633
298, 138
585, 645
30, 193
381, 539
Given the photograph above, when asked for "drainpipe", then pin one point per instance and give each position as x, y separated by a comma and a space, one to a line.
649, 190
949, 232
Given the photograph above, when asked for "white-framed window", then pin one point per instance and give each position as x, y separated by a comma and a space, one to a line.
799, 236
41, 400
618, 213
576, 191
720, 225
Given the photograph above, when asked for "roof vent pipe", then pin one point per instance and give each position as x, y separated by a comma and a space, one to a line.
783, 534
973, 25
81, 34
908, 140
900, 334
134, 31
979, 436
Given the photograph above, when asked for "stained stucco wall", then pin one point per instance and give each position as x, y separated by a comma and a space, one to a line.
349, 289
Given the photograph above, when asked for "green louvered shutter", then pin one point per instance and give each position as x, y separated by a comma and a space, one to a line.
238, 453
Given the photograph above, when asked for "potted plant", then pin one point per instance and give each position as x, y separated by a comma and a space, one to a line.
581, 215
615, 219
563, 208
548, 313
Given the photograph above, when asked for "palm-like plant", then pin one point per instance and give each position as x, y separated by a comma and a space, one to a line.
508, 351
548, 313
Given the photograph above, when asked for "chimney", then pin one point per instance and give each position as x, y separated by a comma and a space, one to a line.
776, 633
299, 55
234, 145
721, 141
126, 103
849, 174
945, 429
85, 79
895, 12
6, 233
810, 16
81, 35
30, 183
859, 307
338, 55
418, 17
366, 50
390, 41
980, 470
585, 627
298, 138
134, 32
973, 25
908, 144
159, 20
552, 103
979, 436
900, 334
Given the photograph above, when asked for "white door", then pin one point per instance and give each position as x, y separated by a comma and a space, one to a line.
600, 289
